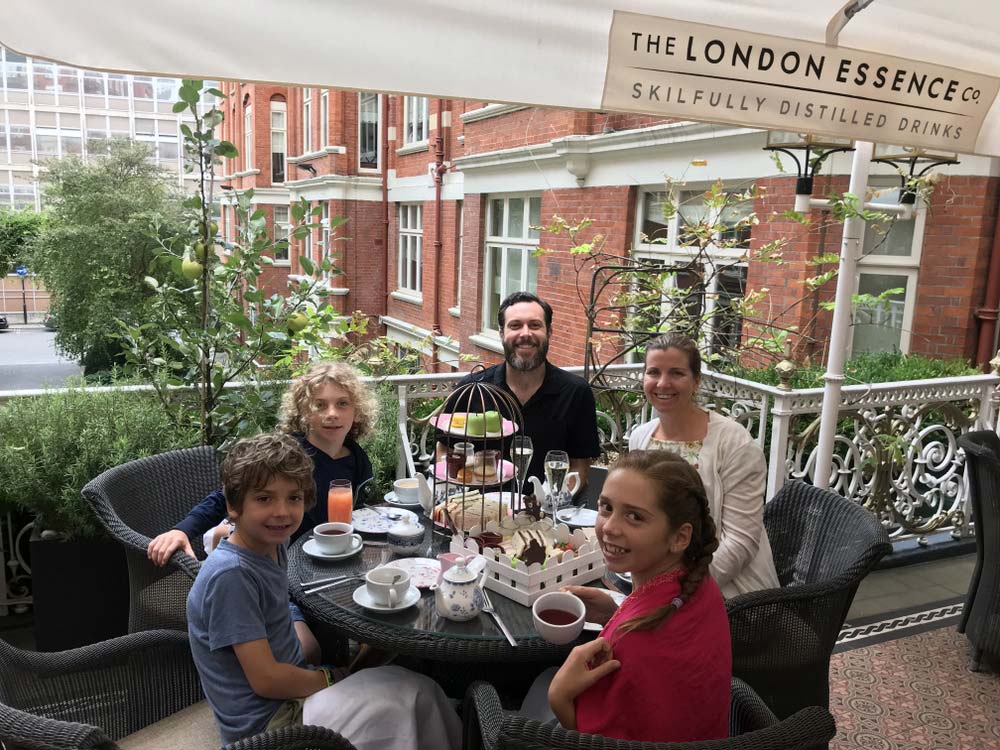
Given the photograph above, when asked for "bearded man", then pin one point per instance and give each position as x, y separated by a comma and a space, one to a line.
558, 407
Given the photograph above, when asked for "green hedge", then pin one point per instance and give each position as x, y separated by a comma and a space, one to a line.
885, 367
52, 445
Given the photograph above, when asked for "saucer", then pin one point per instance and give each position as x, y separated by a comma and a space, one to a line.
423, 571
577, 517
312, 549
377, 520
618, 596
390, 497
363, 599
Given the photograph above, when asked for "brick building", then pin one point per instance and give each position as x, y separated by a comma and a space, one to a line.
437, 257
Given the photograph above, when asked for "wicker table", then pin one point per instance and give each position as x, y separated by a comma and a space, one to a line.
417, 631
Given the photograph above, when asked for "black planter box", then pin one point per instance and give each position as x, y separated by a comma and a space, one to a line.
80, 592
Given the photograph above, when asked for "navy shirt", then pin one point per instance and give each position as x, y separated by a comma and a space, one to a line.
355, 466
560, 415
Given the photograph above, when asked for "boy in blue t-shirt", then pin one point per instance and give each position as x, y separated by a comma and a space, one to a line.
241, 633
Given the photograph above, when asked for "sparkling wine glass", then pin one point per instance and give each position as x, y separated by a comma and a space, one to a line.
556, 467
521, 451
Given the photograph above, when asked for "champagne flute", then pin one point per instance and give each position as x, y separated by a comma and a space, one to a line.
556, 467
521, 451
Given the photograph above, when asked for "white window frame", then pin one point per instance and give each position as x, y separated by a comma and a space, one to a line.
415, 113
378, 133
324, 118
282, 230
248, 137
325, 234
896, 265
460, 251
281, 108
672, 253
526, 244
306, 121
410, 248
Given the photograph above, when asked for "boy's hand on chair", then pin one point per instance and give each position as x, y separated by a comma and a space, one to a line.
163, 546
584, 666
599, 606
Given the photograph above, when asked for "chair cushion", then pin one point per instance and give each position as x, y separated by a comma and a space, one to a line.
193, 728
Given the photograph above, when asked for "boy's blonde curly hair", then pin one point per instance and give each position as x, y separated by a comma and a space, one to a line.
296, 404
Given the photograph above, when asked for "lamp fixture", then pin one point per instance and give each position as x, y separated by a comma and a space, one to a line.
308, 168
816, 149
911, 162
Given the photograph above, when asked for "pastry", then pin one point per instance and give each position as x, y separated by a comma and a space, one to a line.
471, 509
475, 424
492, 422
457, 422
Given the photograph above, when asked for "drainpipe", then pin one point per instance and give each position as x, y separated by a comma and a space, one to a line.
439, 169
385, 202
988, 313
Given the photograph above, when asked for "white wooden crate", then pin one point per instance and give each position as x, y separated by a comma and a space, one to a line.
524, 584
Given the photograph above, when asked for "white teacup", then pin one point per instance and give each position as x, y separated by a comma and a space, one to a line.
387, 586
407, 491
335, 538
564, 626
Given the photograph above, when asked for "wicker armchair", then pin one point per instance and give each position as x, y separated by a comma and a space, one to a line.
90, 697
752, 726
143, 498
981, 616
823, 545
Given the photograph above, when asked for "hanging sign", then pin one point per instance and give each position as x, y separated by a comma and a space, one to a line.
701, 72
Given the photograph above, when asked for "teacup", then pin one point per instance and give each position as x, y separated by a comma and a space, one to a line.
387, 586
558, 616
407, 491
335, 538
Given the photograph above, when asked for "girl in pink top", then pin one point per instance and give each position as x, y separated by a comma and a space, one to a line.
661, 668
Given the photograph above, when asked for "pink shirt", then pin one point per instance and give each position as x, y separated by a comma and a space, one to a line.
673, 684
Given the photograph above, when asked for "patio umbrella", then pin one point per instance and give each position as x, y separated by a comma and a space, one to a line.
906, 72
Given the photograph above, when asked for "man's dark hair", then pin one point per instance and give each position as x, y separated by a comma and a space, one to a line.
518, 297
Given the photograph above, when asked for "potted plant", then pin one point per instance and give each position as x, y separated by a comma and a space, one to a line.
53, 445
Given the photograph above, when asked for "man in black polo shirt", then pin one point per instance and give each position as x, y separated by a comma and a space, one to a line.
558, 407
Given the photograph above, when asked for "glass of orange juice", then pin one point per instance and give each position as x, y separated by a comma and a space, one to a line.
340, 501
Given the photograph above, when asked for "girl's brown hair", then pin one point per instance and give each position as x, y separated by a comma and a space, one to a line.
296, 404
681, 342
681, 495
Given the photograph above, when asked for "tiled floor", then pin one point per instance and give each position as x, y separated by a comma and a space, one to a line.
913, 585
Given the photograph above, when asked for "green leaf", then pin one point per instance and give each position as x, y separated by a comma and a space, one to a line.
307, 265
216, 92
227, 150
298, 211
179, 106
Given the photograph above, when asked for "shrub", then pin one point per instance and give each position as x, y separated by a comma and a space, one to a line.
884, 367
54, 444
381, 444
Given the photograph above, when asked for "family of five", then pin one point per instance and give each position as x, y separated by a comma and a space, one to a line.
682, 511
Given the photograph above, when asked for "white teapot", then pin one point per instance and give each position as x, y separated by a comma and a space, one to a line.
571, 486
459, 596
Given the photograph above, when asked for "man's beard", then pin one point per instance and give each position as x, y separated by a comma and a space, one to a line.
525, 364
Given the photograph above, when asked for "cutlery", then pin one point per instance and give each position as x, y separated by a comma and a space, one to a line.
318, 581
488, 609
331, 585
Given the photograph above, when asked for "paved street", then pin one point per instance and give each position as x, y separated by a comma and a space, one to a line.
28, 359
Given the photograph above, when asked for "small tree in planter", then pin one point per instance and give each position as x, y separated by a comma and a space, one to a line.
212, 324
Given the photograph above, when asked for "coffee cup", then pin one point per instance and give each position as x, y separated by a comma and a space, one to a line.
387, 586
407, 491
335, 538
558, 616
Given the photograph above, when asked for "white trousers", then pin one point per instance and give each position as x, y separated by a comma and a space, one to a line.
387, 708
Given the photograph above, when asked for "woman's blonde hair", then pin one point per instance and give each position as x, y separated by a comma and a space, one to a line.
296, 404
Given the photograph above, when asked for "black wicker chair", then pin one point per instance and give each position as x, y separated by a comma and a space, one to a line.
823, 545
752, 726
93, 696
981, 615
143, 498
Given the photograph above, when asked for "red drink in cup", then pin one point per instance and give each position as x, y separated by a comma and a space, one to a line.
339, 501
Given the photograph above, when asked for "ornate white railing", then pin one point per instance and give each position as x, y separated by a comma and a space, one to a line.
895, 453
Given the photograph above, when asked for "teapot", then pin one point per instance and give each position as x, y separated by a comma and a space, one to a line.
459, 596
571, 486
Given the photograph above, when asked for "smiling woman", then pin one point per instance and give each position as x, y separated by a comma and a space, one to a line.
727, 458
